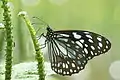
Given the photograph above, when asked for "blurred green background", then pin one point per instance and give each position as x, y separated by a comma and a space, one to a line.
100, 16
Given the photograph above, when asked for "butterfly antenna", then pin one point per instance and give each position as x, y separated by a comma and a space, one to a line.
43, 22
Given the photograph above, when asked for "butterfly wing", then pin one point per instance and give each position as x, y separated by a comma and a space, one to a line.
64, 60
92, 44
70, 50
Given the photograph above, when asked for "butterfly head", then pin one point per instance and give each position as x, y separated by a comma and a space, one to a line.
50, 33
49, 29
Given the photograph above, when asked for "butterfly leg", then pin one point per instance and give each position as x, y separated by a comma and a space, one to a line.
43, 45
39, 37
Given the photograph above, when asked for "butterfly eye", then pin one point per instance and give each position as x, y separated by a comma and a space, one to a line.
70, 50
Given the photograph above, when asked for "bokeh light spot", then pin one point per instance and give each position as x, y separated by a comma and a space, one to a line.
10, 4
115, 70
58, 2
30, 2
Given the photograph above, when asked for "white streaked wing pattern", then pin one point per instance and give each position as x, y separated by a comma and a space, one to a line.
96, 44
69, 50
65, 63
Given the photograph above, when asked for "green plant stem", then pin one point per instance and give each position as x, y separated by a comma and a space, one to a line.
39, 55
9, 39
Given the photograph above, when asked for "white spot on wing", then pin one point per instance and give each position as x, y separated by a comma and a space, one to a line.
106, 46
77, 47
67, 72
74, 52
100, 44
77, 36
66, 65
79, 44
75, 71
55, 69
84, 61
64, 72
86, 51
96, 54
68, 45
71, 70
86, 45
91, 52
107, 42
65, 35
78, 68
59, 71
72, 42
89, 57
73, 65
78, 57
68, 62
90, 40
82, 41
81, 67
89, 36
92, 47
98, 47
99, 39
104, 50
86, 32
59, 64
63, 65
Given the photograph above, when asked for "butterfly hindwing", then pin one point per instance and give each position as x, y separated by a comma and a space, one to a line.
64, 60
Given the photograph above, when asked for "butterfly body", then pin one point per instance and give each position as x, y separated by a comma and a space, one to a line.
70, 50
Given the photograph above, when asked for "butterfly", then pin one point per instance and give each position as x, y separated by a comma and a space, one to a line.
70, 50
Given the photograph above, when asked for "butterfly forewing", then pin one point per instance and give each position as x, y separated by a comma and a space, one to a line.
69, 50
90, 43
